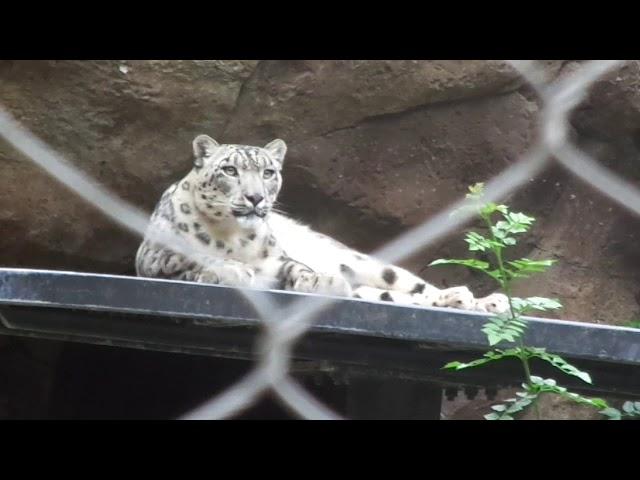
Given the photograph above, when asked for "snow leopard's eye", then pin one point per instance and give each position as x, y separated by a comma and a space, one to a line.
268, 174
231, 171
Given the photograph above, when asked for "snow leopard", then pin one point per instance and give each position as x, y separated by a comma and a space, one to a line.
224, 210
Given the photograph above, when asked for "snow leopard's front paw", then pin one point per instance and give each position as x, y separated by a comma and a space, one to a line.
456, 297
311, 282
429, 299
494, 303
229, 275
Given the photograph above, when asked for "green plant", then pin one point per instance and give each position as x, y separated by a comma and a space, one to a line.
634, 323
510, 326
629, 409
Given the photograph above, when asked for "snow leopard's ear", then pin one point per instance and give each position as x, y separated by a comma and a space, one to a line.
203, 146
277, 149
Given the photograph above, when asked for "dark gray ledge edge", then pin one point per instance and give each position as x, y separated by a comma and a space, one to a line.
212, 306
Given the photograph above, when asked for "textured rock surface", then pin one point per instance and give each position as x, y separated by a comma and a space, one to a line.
128, 124
375, 148
298, 99
612, 110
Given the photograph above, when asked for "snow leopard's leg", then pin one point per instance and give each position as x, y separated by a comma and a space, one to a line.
296, 276
369, 272
382, 295
456, 297
158, 262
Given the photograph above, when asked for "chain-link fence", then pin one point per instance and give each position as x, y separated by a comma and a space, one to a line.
560, 97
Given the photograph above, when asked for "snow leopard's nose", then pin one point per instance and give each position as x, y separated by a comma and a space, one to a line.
254, 199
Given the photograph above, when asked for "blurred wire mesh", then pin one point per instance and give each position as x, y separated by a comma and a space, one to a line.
271, 372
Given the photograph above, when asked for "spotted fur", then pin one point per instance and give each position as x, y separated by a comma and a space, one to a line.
223, 210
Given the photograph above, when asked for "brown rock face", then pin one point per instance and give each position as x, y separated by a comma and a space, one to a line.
128, 124
299, 99
375, 147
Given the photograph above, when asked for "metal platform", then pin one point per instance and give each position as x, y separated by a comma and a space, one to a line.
371, 339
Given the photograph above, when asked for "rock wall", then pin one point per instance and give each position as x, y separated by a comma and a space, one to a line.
375, 148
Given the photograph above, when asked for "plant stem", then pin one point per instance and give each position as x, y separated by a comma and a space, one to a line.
525, 362
505, 284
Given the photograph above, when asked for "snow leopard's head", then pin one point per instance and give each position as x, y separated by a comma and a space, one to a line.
237, 181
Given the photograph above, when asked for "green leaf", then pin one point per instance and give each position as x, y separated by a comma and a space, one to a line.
525, 267
519, 218
490, 356
503, 327
476, 190
452, 365
561, 364
612, 413
496, 274
512, 406
470, 262
499, 234
513, 223
489, 208
549, 386
599, 403
480, 243
513, 409
524, 305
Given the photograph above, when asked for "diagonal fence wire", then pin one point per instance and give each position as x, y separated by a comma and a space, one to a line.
556, 132
271, 372
120, 211
135, 220
567, 94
